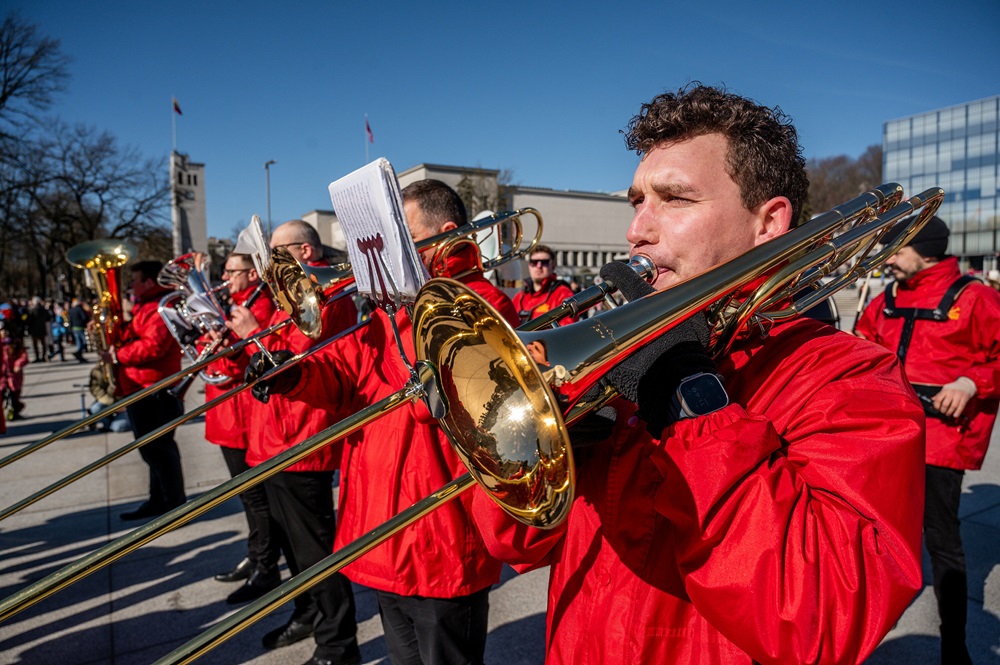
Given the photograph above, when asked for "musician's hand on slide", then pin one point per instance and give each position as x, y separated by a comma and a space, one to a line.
651, 375
218, 338
260, 364
242, 322
955, 396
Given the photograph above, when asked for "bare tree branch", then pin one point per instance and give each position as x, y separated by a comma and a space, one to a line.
32, 70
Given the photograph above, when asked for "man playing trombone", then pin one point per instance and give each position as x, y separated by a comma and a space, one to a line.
760, 506
227, 425
432, 580
301, 496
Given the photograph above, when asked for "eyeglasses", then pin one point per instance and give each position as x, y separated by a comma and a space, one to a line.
289, 244
540, 262
233, 272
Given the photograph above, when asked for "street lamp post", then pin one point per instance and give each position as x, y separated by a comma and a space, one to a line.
267, 183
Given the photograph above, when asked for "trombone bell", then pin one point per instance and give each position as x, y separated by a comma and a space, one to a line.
302, 290
503, 421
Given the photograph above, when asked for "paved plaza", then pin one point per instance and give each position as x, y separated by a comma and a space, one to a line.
160, 596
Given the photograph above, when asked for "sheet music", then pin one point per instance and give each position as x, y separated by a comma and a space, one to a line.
252, 241
370, 209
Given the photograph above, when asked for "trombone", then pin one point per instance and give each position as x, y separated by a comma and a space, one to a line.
301, 292
524, 461
453, 323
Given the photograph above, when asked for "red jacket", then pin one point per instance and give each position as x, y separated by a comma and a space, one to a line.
13, 358
227, 424
283, 422
967, 344
398, 460
784, 528
531, 304
148, 352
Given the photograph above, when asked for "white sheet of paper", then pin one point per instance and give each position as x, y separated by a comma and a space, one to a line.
252, 241
370, 209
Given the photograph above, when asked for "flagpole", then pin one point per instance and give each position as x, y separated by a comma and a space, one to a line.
366, 138
173, 122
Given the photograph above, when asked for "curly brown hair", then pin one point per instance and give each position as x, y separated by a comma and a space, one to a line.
764, 158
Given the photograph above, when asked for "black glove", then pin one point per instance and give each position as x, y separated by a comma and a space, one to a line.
278, 385
650, 376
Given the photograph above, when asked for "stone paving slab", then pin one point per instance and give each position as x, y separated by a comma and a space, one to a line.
160, 596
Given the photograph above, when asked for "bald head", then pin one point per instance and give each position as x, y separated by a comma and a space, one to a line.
300, 238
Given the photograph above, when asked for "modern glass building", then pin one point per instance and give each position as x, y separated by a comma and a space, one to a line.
955, 148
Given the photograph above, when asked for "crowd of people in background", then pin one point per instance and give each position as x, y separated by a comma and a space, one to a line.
39, 331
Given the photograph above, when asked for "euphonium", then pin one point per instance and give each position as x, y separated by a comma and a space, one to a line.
191, 310
103, 260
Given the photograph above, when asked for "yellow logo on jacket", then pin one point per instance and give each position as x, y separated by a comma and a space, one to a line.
954, 313
541, 309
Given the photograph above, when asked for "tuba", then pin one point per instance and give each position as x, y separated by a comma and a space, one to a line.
191, 310
103, 260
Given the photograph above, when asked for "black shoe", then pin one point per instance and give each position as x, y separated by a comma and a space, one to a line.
318, 660
145, 510
290, 633
254, 588
237, 574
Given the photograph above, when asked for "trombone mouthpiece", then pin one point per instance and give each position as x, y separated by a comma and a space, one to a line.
623, 276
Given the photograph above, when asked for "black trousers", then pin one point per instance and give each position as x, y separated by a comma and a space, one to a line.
265, 538
943, 537
435, 631
166, 480
302, 505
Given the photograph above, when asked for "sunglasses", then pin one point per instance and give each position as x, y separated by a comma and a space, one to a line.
540, 262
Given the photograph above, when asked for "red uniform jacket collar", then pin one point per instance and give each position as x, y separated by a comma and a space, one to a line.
547, 284
942, 274
463, 260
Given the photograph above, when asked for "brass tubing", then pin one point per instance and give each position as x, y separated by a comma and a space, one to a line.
318, 572
163, 429
135, 397
182, 514
332, 564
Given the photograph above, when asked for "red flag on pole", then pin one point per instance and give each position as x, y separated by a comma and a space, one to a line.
177, 107
368, 129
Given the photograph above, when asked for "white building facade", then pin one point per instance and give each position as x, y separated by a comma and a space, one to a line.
584, 229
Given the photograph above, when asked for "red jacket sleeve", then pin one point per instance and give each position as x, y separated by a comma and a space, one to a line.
985, 342
800, 539
329, 378
865, 326
523, 547
150, 341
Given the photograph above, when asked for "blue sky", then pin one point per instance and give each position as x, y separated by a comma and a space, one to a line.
539, 88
